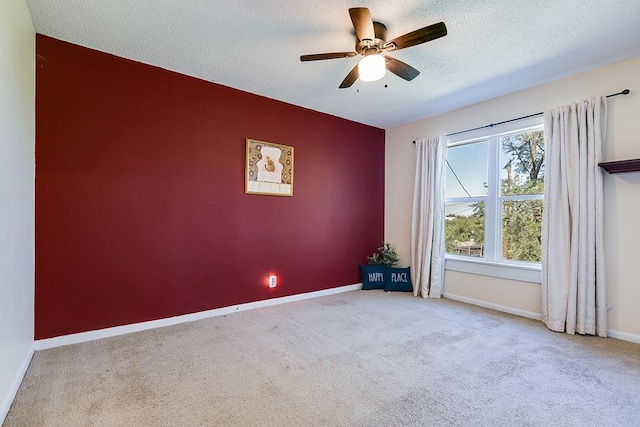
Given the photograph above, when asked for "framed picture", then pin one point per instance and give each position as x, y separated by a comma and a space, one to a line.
269, 169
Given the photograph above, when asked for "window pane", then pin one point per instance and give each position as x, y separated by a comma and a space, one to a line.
464, 229
522, 163
521, 230
466, 170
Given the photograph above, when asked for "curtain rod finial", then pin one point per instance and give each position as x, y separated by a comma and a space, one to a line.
625, 92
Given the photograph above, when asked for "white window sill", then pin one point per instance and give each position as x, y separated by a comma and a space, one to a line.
521, 272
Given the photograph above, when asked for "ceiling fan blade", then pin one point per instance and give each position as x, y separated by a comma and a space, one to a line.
320, 56
350, 79
401, 69
362, 23
420, 36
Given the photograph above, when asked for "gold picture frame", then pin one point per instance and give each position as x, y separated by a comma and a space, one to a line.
268, 168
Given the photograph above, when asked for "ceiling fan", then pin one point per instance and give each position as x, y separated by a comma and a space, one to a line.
371, 42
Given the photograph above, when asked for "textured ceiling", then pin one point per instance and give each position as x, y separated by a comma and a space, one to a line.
494, 47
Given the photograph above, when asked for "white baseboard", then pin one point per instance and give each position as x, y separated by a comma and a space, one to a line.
624, 336
497, 307
136, 327
6, 402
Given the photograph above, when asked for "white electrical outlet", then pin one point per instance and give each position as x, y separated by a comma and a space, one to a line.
273, 281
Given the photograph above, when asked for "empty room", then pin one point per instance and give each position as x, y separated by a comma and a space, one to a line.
408, 213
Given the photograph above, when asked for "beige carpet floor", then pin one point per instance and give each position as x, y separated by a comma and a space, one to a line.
363, 358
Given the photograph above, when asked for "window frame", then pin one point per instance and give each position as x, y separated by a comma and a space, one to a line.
492, 263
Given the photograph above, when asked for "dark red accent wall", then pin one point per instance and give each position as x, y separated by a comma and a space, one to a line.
140, 205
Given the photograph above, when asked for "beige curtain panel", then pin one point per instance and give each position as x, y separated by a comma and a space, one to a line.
573, 274
427, 222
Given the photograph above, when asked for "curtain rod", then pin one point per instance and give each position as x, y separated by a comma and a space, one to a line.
624, 92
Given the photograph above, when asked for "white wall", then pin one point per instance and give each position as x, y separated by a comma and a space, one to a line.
17, 139
622, 191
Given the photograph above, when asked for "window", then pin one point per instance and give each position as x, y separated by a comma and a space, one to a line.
494, 186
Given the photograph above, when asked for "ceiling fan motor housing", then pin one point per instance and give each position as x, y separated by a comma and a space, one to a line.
370, 47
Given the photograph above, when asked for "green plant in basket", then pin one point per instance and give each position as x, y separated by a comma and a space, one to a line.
385, 255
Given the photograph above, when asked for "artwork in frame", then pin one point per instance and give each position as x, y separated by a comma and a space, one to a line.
269, 168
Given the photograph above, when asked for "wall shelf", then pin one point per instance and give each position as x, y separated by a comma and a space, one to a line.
631, 165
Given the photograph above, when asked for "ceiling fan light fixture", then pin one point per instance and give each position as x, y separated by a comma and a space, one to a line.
371, 42
372, 68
